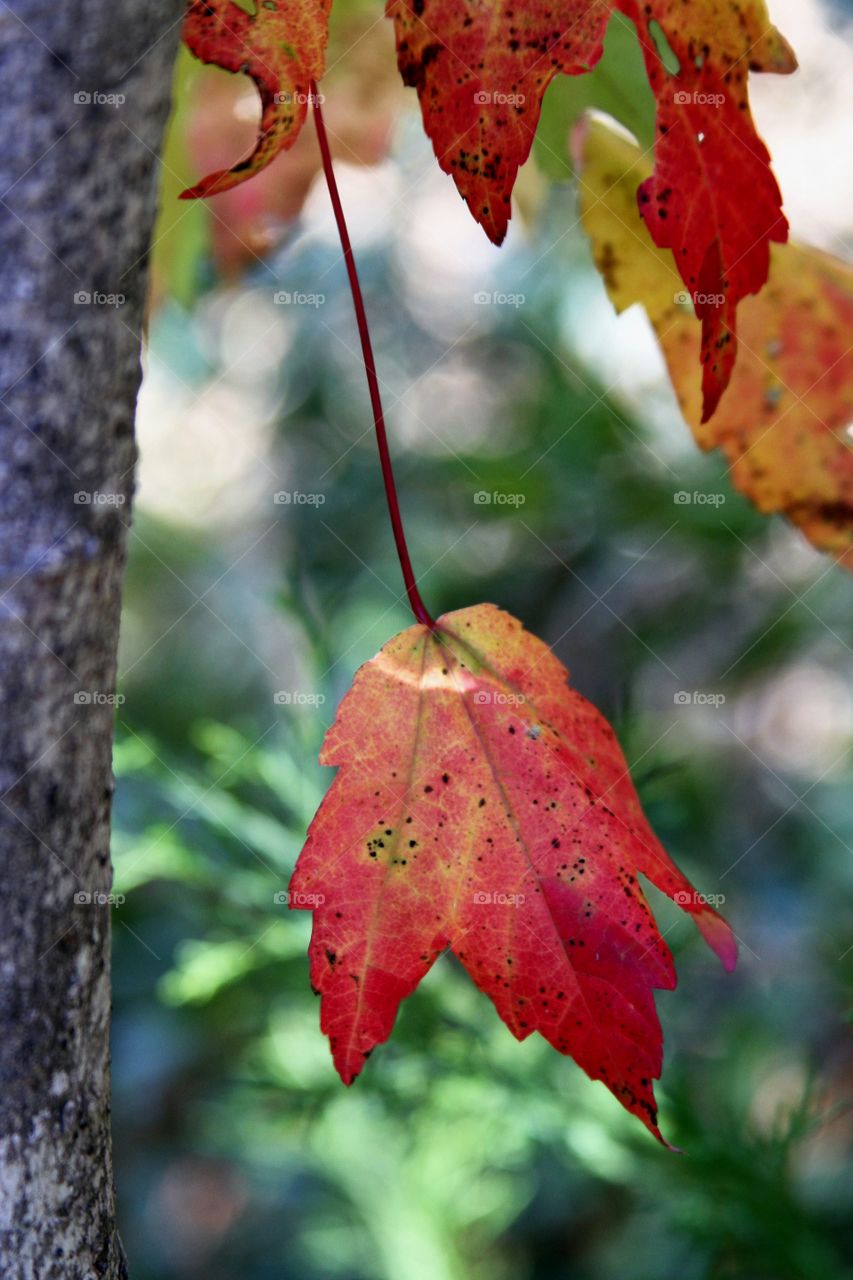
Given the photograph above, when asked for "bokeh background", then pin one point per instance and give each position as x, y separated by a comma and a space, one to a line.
542, 465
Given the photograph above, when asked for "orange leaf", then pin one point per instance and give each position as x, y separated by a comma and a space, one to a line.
482, 805
784, 424
282, 47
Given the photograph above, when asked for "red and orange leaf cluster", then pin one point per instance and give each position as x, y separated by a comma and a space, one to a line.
481, 67
481, 70
785, 423
482, 805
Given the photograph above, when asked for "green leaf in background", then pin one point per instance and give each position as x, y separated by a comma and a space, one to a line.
618, 85
181, 232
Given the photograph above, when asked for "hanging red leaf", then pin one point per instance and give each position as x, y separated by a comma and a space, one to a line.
482, 805
282, 47
480, 71
712, 198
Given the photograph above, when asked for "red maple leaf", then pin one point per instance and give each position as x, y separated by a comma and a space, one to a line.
481, 71
482, 805
712, 198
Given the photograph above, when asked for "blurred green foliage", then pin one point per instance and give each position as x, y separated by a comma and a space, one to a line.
460, 1154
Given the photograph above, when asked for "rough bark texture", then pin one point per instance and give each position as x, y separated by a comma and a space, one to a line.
77, 201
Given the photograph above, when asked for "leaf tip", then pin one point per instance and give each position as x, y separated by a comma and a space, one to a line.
673, 1151
718, 934
495, 229
711, 397
212, 185
715, 379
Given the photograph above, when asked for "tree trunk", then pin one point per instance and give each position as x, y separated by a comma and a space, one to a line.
86, 93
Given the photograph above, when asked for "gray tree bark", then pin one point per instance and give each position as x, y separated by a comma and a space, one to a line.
86, 94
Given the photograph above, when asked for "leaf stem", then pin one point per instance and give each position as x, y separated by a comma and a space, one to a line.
417, 604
